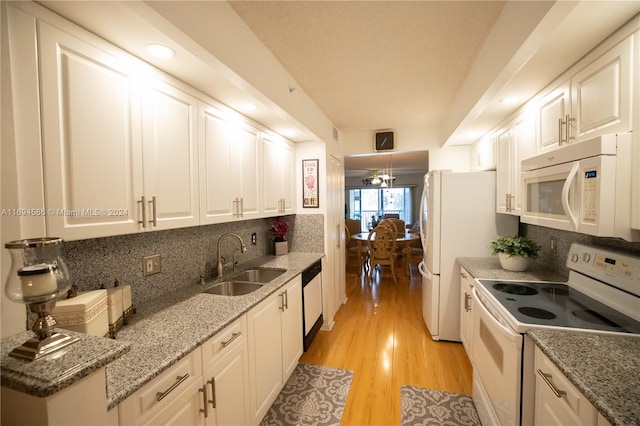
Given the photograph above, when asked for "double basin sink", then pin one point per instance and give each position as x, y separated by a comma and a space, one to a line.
245, 282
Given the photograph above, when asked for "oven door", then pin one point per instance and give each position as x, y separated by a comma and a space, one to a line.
497, 365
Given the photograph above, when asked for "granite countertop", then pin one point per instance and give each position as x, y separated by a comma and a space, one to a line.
605, 368
171, 326
54, 372
163, 331
489, 268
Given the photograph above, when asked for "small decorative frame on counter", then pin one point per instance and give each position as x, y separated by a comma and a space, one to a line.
310, 184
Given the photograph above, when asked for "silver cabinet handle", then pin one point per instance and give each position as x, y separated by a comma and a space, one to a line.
282, 301
286, 299
338, 236
234, 336
560, 124
241, 207
161, 395
154, 212
547, 379
567, 121
204, 410
143, 207
212, 382
467, 300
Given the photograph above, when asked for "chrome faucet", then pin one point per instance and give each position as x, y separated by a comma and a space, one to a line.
243, 248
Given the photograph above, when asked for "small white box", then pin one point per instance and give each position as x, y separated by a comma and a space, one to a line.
114, 300
85, 313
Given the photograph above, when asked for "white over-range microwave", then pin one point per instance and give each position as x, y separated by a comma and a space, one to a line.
585, 187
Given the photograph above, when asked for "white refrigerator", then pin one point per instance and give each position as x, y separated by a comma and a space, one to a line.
458, 219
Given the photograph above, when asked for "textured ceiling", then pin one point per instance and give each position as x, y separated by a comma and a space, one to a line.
375, 65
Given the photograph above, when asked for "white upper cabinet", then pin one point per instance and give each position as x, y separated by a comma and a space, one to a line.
596, 100
515, 142
552, 114
120, 153
92, 145
601, 94
483, 154
279, 177
169, 135
230, 163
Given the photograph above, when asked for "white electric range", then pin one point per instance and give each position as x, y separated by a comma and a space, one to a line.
602, 295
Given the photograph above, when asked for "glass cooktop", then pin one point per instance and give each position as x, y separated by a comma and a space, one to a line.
558, 305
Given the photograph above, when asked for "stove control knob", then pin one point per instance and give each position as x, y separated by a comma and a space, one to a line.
574, 258
586, 257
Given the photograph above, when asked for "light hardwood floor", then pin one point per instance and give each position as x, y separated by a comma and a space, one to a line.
380, 335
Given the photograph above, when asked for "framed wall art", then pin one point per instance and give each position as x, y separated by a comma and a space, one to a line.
310, 184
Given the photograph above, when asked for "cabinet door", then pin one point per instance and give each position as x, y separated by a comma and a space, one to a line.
602, 94
247, 171
228, 384
217, 191
466, 314
483, 154
265, 354
568, 407
292, 333
503, 170
553, 108
523, 146
279, 181
169, 134
91, 139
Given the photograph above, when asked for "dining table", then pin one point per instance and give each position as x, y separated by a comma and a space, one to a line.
402, 238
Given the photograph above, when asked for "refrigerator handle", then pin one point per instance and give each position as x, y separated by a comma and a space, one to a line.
424, 271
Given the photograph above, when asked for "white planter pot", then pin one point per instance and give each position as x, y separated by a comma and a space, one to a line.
282, 248
514, 263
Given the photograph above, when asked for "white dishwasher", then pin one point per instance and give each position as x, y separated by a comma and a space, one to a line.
311, 302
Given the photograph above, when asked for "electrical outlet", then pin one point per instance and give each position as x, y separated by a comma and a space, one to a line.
151, 265
254, 238
553, 244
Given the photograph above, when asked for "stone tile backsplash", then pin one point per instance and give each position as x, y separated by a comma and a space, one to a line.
556, 261
186, 253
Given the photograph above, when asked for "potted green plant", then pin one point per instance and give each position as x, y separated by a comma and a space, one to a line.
279, 230
514, 252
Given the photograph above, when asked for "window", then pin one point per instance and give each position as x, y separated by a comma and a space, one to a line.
368, 203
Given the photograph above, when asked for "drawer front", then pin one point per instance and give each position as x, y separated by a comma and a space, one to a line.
161, 391
231, 337
558, 401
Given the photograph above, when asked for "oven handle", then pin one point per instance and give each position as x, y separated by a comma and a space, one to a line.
516, 338
565, 195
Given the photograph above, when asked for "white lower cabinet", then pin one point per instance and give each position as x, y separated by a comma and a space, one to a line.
210, 386
557, 401
466, 314
156, 402
225, 362
275, 345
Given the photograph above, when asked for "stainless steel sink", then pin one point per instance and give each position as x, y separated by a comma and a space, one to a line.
233, 288
259, 275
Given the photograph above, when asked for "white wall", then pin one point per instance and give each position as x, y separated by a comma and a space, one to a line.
456, 158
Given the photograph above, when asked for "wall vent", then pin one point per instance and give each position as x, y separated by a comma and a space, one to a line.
335, 134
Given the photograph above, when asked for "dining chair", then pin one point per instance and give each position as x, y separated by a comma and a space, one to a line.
382, 247
351, 250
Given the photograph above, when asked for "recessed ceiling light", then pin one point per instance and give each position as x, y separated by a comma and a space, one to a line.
160, 51
510, 100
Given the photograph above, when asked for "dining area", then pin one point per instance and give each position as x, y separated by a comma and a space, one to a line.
387, 244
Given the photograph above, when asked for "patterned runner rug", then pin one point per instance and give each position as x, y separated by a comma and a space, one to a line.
313, 395
431, 407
